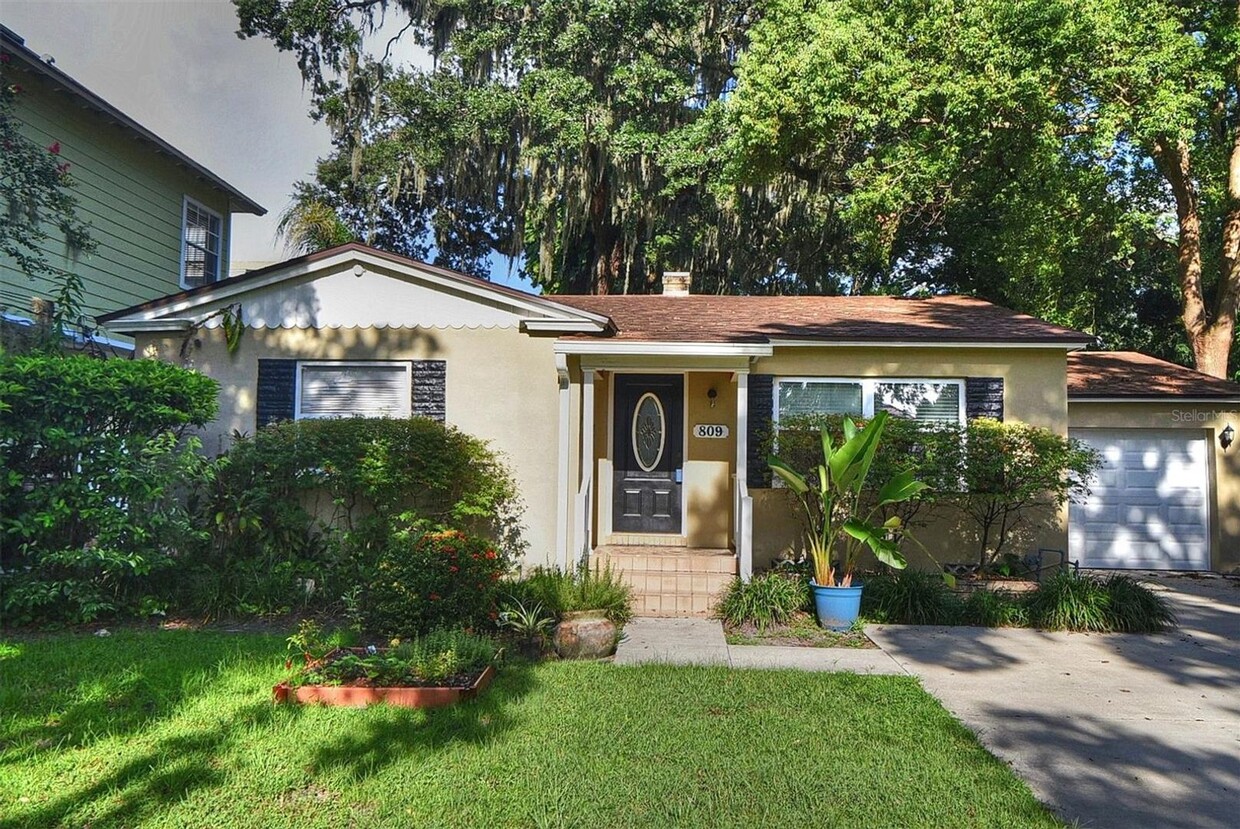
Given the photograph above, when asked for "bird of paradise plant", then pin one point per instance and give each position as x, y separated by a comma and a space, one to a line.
831, 494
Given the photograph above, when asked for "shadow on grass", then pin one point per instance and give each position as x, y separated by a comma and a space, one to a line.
172, 769
379, 743
176, 766
71, 691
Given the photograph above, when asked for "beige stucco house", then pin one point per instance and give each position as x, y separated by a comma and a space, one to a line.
631, 422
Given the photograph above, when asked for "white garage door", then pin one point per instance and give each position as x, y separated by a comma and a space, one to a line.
1149, 502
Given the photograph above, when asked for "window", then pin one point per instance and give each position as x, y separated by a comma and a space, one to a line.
338, 389
200, 245
927, 401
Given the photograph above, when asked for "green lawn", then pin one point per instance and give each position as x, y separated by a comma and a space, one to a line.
177, 728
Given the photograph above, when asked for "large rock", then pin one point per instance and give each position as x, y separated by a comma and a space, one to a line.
588, 634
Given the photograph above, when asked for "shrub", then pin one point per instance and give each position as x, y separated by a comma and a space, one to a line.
909, 597
986, 608
1068, 601
95, 473
600, 588
321, 500
1135, 608
425, 581
1012, 471
771, 598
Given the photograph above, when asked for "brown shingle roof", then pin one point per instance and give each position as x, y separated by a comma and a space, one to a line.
1121, 374
740, 319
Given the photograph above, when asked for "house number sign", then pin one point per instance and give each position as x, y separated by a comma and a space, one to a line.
710, 430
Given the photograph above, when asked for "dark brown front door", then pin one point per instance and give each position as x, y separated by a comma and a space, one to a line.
648, 452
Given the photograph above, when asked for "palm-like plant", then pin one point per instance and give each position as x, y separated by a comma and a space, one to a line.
831, 499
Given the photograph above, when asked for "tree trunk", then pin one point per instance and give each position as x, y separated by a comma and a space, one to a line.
1230, 276
606, 240
1209, 335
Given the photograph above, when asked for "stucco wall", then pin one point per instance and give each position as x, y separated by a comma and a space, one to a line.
1035, 393
501, 387
1225, 465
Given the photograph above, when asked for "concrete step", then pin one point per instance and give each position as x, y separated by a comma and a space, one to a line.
671, 581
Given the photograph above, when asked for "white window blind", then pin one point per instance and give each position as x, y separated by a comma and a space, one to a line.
200, 245
808, 397
926, 401
923, 402
354, 390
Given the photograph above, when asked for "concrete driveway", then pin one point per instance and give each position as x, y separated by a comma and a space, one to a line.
1109, 730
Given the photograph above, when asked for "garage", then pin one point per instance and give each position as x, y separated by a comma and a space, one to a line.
1149, 505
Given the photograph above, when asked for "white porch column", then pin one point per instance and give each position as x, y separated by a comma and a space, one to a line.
743, 503
585, 499
562, 492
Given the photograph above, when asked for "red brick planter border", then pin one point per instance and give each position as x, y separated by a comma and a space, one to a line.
359, 696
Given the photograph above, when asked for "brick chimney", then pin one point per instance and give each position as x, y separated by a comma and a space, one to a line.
676, 283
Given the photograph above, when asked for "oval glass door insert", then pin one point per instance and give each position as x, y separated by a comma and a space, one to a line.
649, 431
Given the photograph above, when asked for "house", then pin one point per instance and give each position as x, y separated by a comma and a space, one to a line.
632, 422
162, 221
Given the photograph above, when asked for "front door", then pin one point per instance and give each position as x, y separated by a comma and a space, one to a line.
648, 452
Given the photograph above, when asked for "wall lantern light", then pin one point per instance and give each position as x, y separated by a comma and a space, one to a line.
711, 395
1226, 436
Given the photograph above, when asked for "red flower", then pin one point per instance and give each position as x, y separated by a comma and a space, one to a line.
54, 148
434, 597
453, 569
491, 554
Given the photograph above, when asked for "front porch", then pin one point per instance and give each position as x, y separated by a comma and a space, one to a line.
660, 458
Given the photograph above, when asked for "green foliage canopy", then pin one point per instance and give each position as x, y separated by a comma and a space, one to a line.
1079, 159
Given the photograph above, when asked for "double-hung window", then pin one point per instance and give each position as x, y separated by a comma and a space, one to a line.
353, 389
201, 239
925, 401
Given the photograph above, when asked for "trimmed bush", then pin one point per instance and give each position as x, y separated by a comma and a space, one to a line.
1068, 601
909, 597
95, 475
1135, 608
600, 588
770, 598
319, 501
434, 580
993, 609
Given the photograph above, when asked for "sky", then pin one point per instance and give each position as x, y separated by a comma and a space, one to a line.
178, 68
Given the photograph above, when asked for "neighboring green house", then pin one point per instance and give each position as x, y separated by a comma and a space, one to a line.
162, 221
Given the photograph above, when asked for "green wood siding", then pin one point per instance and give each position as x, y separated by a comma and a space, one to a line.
131, 195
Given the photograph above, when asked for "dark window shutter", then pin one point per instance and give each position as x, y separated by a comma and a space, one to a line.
430, 378
277, 388
761, 417
983, 397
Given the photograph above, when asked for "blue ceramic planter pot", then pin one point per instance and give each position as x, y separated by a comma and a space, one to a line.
837, 607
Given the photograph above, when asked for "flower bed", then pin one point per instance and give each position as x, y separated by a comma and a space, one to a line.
440, 669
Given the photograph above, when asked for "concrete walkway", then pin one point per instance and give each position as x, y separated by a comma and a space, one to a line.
701, 642
1109, 730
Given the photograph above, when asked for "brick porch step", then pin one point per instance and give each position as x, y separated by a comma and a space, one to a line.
670, 581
